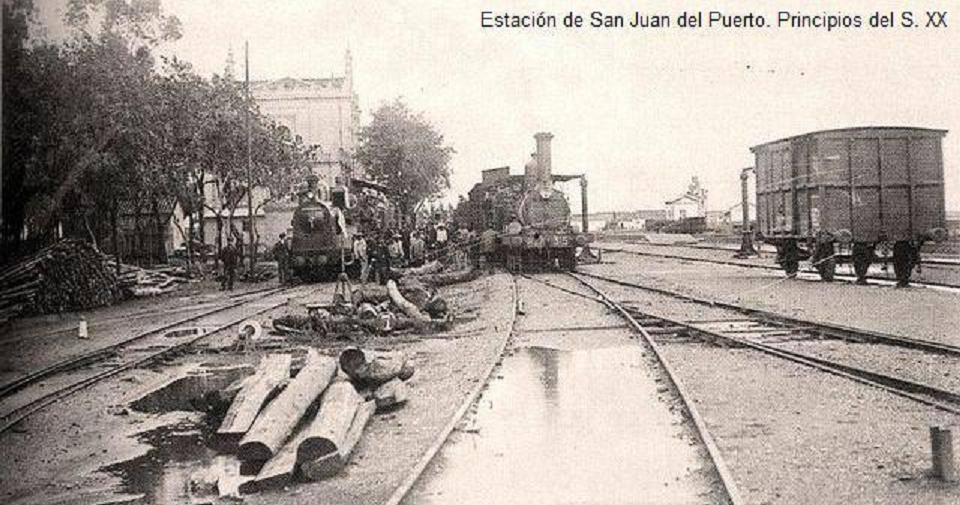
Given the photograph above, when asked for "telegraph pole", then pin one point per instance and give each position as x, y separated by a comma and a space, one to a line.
246, 124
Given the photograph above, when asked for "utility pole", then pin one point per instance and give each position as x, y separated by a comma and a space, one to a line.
246, 123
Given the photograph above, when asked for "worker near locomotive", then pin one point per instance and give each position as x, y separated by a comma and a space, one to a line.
529, 213
840, 196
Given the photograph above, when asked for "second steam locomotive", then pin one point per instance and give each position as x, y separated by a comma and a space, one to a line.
531, 216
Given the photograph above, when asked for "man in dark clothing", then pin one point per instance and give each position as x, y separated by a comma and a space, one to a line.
281, 253
379, 260
230, 256
488, 247
905, 256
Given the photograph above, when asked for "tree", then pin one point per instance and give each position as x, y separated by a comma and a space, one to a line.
402, 151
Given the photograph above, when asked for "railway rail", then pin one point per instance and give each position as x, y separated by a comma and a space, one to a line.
727, 482
772, 333
825, 329
846, 277
939, 261
136, 358
726, 478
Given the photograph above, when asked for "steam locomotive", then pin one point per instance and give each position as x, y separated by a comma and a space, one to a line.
530, 214
322, 231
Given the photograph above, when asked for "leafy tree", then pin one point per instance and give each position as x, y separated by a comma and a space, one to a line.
401, 150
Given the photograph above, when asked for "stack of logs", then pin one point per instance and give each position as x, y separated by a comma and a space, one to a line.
136, 281
413, 303
68, 275
306, 427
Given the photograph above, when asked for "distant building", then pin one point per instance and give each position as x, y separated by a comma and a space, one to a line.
324, 112
693, 203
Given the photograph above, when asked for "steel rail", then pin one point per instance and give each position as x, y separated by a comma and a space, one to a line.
10, 419
403, 489
845, 277
939, 261
726, 477
922, 393
834, 330
69, 364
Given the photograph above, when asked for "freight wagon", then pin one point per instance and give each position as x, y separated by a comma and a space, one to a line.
851, 190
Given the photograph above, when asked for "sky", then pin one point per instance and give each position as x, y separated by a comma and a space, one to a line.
638, 111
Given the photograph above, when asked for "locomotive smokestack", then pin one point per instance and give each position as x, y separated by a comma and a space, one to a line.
544, 173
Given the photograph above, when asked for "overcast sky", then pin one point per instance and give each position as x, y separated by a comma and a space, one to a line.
639, 112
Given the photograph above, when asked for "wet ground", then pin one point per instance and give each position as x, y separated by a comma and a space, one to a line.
579, 424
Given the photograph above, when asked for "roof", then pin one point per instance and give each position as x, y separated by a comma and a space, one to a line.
684, 197
929, 131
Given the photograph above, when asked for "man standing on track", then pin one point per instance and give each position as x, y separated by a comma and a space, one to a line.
230, 256
360, 254
281, 253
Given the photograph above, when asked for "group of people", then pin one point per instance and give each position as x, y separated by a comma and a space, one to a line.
383, 250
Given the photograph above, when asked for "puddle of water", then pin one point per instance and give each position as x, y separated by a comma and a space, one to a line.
186, 459
581, 426
183, 465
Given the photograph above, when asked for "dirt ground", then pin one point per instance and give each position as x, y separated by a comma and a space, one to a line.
791, 434
95, 448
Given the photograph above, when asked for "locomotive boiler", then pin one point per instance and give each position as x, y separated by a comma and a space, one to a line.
530, 214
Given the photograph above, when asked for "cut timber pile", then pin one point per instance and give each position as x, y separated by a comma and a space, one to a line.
136, 281
66, 276
309, 429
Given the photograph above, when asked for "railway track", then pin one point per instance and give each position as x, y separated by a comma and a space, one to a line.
130, 357
742, 264
727, 483
726, 478
939, 261
828, 330
774, 335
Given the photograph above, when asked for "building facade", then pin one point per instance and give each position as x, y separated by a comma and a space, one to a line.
324, 112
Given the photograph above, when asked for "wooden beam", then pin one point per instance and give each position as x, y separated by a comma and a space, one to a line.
333, 463
272, 371
279, 418
328, 430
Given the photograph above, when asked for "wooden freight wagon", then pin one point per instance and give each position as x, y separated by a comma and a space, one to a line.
853, 187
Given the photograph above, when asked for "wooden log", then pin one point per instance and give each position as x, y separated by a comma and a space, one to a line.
370, 369
327, 432
428, 268
373, 293
279, 418
391, 394
331, 464
405, 305
448, 278
272, 371
278, 471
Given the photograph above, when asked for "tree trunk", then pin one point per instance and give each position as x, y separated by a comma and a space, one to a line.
405, 305
160, 249
390, 394
116, 235
280, 417
272, 371
138, 232
333, 463
328, 430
